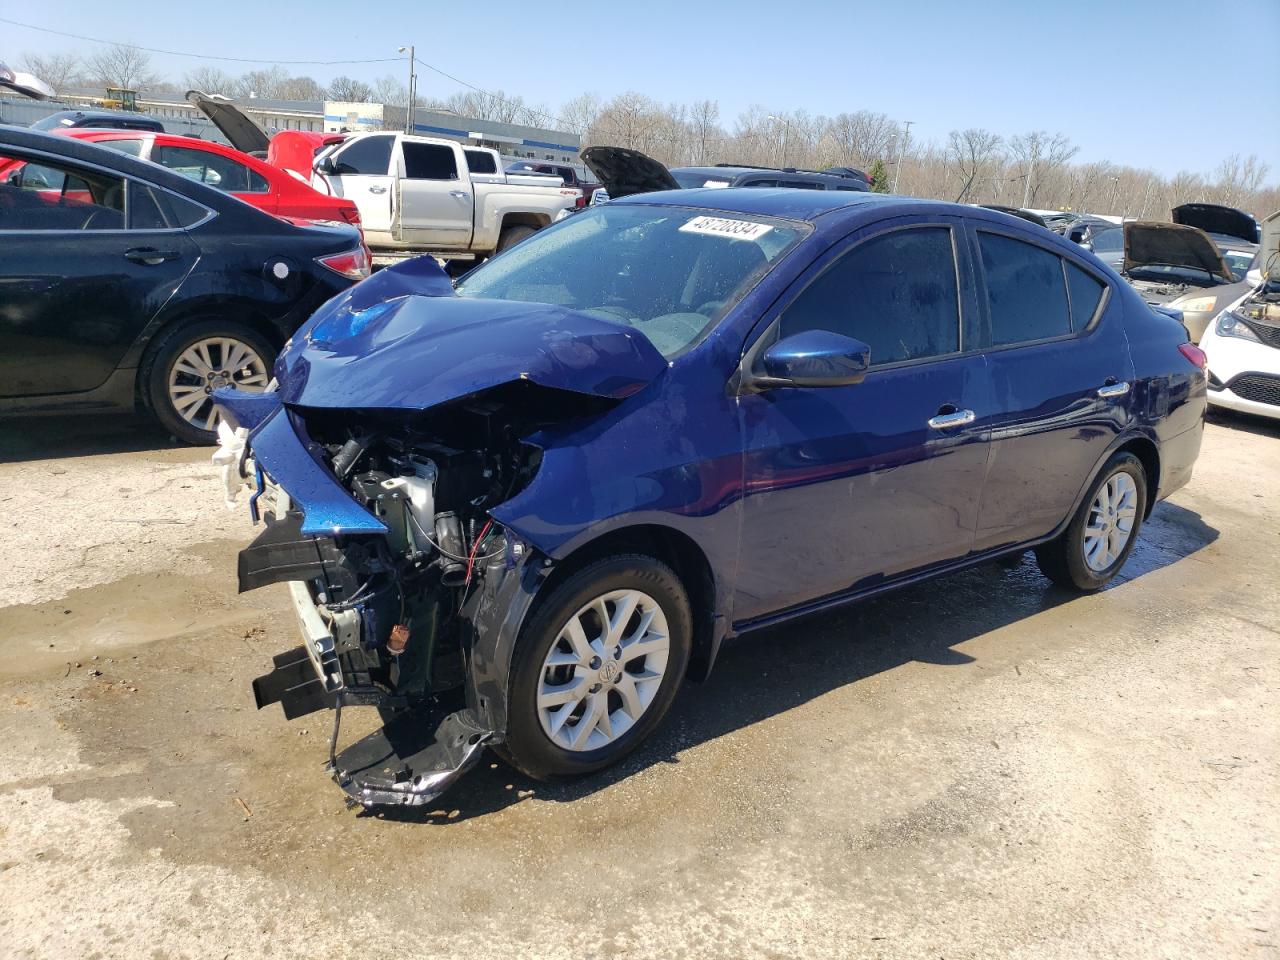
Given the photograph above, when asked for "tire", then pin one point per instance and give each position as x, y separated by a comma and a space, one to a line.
1088, 563
531, 745
167, 377
510, 236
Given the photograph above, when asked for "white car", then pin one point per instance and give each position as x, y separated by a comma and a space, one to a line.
1243, 342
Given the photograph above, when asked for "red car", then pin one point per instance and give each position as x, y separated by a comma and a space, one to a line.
254, 181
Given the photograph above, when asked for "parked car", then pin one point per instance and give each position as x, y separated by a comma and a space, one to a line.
1179, 267
1243, 342
1018, 212
418, 194
129, 286
567, 173
519, 512
1081, 228
254, 181
100, 120
735, 175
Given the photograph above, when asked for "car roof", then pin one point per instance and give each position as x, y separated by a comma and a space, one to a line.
106, 114
1233, 243
785, 202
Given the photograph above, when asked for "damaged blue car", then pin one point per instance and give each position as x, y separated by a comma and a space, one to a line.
518, 513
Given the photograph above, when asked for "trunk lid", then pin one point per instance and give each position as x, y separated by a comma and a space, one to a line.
624, 172
241, 132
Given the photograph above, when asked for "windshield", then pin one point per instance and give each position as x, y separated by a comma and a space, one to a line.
1238, 262
670, 272
691, 181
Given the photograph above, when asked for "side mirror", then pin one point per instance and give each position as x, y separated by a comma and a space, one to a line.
814, 358
326, 166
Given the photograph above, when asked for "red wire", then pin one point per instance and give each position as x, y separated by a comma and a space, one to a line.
474, 547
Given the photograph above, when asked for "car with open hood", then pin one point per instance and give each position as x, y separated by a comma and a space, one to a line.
128, 286
1243, 341
519, 512
1180, 266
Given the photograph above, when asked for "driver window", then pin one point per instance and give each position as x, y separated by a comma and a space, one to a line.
895, 292
48, 196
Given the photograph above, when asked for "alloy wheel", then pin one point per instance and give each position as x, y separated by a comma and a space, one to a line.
205, 366
603, 670
1111, 518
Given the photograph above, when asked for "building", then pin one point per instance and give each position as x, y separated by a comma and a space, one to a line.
329, 116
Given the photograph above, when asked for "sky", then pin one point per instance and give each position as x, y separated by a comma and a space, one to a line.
1160, 84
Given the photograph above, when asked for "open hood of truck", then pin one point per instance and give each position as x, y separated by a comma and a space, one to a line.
1214, 218
402, 341
1157, 244
241, 132
624, 172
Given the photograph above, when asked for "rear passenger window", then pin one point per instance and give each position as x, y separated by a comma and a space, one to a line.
1085, 293
896, 293
1026, 292
480, 161
429, 161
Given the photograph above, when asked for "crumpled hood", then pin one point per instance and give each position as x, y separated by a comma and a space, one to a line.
402, 341
1151, 243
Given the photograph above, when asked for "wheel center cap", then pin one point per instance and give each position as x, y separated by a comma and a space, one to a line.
609, 671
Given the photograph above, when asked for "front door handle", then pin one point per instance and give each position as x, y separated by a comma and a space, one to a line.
460, 194
1112, 390
957, 418
377, 189
150, 255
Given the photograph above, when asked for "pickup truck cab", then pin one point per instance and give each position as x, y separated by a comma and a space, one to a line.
419, 194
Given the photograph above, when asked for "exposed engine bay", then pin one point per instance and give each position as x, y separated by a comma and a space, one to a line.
391, 620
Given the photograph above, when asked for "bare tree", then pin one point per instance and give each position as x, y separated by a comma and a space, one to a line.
59, 70
121, 65
210, 80
972, 152
1239, 177
580, 113
1038, 156
704, 129
859, 139
348, 90
390, 90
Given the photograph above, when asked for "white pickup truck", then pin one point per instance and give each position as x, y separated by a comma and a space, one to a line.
421, 194
415, 194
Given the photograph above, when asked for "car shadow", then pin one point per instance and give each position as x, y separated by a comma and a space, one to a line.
80, 435
768, 672
1244, 422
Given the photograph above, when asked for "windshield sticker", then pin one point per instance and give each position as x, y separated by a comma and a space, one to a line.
720, 227
716, 184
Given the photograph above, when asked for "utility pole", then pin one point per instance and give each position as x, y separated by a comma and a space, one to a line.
902, 149
1026, 189
786, 134
413, 89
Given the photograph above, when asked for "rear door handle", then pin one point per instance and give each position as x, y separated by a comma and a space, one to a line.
960, 418
1113, 390
150, 255
460, 194
377, 189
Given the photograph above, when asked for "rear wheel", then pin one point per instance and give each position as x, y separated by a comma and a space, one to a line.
190, 362
513, 235
597, 667
1099, 538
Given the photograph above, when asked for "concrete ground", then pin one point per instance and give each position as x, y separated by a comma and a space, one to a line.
980, 767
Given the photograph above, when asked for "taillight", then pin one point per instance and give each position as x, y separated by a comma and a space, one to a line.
352, 264
580, 203
1194, 354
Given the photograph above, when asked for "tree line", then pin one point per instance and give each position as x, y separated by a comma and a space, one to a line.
1035, 169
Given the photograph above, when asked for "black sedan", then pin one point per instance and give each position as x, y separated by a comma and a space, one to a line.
124, 285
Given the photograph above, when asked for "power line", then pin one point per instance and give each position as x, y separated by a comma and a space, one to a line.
195, 56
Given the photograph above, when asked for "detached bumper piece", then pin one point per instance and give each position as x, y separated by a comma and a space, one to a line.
412, 760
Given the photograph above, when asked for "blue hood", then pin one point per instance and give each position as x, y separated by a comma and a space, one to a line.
402, 341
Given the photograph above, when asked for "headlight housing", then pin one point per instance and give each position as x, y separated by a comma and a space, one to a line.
1198, 305
1232, 325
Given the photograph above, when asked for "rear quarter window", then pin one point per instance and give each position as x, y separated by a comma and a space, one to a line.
1026, 291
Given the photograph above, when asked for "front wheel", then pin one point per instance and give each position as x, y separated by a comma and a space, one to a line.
190, 362
597, 667
1101, 534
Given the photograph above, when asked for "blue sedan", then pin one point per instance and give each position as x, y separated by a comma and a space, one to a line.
519, 512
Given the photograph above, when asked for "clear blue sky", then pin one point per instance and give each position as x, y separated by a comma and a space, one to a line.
1166, 84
